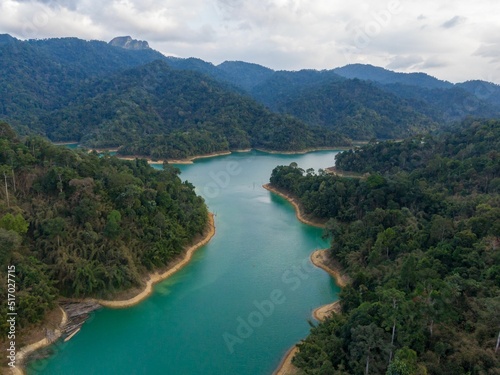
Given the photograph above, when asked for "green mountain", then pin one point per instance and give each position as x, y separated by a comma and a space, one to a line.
419, 237
487, 91
157, 111
96, 93
440, 101
363, 101
38, 76
356, 108
108, 96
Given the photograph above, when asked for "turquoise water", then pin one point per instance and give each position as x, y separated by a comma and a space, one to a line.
240, 304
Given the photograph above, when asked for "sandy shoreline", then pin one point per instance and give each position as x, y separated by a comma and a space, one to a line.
323, 312
306, 151
191, 159
157, 277
320, 259
25, 351
65, 143
285, 367
295, 204
154, 278
102, 150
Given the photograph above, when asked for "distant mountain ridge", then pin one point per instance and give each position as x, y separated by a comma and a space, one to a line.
42, 81
368, 72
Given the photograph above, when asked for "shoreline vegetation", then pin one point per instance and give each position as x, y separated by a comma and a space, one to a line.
336, 172
299, 212
66, 143
153, 279
321, 259
157, 277
191, 159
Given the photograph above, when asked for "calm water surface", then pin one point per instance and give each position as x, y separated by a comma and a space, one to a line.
240, 304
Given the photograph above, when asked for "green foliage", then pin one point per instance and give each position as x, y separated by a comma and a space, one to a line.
15, 223
355, 108
420, 239
405, 363
112, 229
80, 225
9, 242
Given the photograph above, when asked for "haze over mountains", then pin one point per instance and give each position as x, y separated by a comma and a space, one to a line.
118, 94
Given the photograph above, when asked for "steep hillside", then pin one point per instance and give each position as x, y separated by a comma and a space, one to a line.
487, 91
357, 109
157, 111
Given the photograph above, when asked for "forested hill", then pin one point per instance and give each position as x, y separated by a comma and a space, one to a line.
76, 224
420, 238
106, 96
358, 109
51, 86
313, 95
156, 111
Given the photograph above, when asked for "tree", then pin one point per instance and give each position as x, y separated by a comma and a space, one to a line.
15, 223
113, 229
385, 241
366, 342
405, 363
4, 170
6, 131
9, 242
391, 300
55, 228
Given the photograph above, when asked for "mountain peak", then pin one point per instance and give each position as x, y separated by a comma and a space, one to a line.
6, 38
128, 43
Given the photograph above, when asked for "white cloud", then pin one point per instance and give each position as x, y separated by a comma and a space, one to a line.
453, 40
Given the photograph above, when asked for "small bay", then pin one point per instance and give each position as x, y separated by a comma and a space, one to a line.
240, 304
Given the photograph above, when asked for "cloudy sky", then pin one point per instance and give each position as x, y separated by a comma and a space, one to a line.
455, 40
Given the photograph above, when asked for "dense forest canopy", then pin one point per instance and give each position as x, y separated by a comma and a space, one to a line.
420, 237
160, 112
358, 109
77, 224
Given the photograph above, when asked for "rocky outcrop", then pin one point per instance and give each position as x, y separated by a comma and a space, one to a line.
128, 43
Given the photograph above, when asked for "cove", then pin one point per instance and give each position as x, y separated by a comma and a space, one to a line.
241, 303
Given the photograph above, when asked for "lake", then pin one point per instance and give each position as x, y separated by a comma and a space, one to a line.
239, 305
